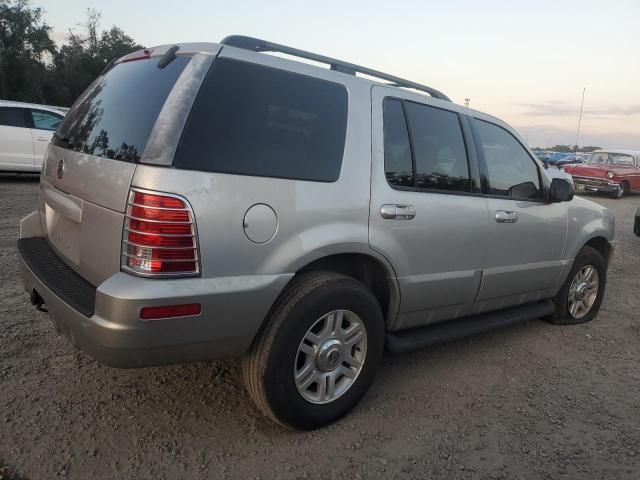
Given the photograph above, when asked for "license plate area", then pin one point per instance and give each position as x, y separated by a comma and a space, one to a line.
64, 234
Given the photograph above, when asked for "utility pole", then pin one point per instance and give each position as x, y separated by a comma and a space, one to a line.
580, 118
466, 102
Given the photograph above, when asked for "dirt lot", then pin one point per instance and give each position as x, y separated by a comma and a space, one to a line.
531, 401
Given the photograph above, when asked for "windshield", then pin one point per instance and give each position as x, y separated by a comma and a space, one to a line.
605, 158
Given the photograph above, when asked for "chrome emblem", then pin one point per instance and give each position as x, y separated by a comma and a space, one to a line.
60, 170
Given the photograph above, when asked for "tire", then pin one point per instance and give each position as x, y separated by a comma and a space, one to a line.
276, 354
622, 191
588, 256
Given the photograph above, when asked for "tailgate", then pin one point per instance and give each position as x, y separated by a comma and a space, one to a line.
83, 210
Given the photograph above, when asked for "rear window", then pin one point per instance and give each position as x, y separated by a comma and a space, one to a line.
113, 118
254, 120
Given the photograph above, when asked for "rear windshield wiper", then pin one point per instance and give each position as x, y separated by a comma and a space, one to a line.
168, 57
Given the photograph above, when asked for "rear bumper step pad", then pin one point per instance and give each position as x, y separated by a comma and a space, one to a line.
57, 276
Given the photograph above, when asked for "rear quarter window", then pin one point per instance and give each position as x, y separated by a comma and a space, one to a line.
254, 120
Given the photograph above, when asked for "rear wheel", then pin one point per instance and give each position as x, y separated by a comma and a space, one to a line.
579, 299
318, 353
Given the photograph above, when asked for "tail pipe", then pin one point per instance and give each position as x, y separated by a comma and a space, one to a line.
38, 301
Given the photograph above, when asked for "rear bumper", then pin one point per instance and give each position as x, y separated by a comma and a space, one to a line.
233, 309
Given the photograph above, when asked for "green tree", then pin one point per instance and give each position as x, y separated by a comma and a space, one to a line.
590, 148
32, 69
81, 60
25, 46
115, 43
562, 149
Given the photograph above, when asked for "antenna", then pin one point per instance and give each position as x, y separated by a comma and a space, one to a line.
580, 118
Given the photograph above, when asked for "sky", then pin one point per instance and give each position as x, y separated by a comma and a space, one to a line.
524, 61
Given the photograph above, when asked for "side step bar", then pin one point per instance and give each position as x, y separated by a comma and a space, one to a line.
417, 338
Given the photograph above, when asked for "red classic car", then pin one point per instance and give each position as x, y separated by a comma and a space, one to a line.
616, 172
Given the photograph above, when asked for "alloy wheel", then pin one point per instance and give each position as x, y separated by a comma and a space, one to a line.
330, 356
583, 291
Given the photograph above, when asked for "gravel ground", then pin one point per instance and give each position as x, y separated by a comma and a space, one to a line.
530, 401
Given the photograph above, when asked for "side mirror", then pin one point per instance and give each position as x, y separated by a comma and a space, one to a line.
523, 190
636, 224
560, 190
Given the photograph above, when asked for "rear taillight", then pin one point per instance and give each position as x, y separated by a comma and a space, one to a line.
160, 236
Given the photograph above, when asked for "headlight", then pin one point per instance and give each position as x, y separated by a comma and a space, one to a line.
610, 174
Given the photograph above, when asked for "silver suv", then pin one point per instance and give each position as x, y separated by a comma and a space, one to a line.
202, 201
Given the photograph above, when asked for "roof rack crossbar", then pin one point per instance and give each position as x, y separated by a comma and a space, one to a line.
257, 45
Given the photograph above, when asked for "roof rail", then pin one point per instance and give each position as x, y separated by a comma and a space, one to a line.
257, 45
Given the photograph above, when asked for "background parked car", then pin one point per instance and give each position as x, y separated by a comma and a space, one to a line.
616, 172
554, 157
25, 131
571, 159
541, 155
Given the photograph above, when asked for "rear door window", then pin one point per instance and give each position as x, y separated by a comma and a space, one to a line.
440, 153
113, 118
254, 120
12, 117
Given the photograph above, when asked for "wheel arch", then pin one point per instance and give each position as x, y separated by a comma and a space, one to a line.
375, 273
370, 269
602, 245
628, 185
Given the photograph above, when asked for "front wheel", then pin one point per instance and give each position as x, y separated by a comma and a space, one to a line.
318, 353
623, 189
579, 299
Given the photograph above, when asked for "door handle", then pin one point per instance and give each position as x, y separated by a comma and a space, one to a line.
397, 211
43, 139
506, 216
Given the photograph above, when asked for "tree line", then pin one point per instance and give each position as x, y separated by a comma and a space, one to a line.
569, 148
34, 69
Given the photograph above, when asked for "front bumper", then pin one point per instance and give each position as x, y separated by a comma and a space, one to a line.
595, 184
233, 309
